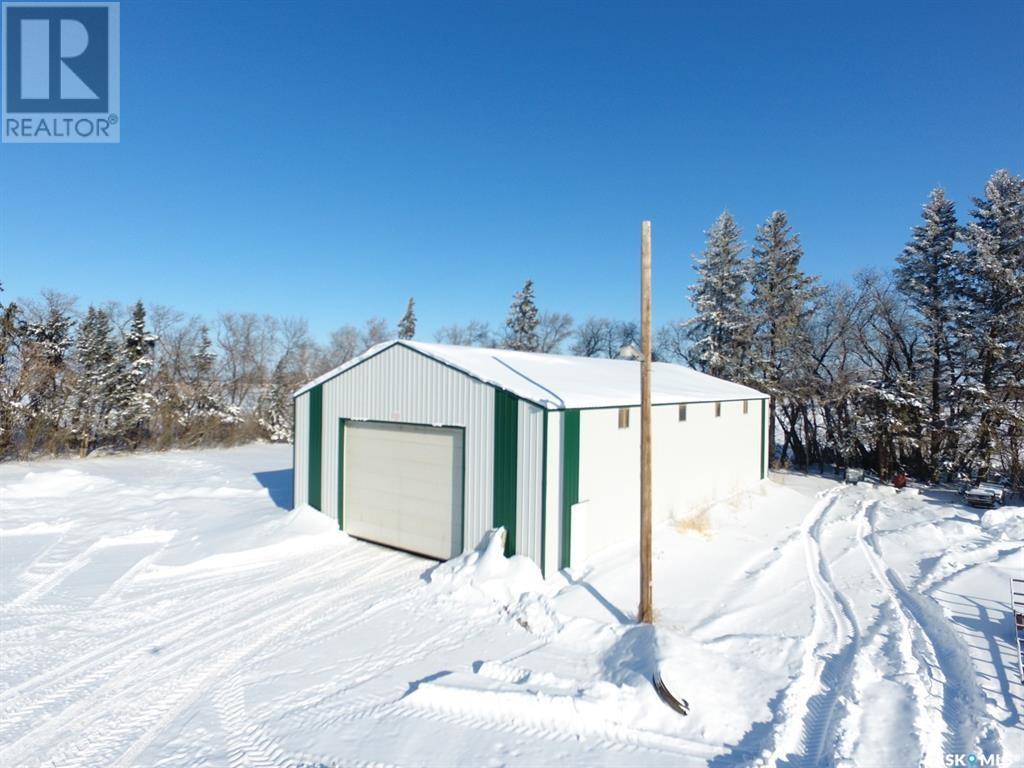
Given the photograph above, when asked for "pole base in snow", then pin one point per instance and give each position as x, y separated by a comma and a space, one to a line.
682, 706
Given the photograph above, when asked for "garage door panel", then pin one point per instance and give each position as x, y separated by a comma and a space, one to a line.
403, 486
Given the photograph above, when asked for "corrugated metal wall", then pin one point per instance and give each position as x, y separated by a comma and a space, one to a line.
402, 385
301, 438
553, 505
529, 479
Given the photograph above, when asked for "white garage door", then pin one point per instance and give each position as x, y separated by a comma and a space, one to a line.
403, 486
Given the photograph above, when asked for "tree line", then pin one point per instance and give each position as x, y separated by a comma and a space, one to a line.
920, 367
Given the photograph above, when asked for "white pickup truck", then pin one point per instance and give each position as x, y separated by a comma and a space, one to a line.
985, 495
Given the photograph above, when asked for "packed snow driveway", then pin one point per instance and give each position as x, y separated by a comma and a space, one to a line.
170, 610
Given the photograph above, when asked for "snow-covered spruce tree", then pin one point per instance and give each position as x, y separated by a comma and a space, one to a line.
97, 382
522, 322
928, 275
43, 377
274, 410
781, 296
9, 394
720, 331
206, 413
407, 325
133, 402
991, 325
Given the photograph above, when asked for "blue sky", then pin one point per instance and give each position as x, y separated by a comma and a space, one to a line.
328, 160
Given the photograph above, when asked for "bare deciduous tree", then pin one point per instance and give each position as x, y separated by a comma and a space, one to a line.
553, 329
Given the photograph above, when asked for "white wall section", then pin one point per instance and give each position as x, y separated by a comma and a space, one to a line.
695, 462
529, 478
300, 475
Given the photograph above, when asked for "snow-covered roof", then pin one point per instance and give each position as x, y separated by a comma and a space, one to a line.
564, 381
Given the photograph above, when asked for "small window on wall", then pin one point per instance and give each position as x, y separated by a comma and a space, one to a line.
718, 410
746, 406
682, 412
623, 418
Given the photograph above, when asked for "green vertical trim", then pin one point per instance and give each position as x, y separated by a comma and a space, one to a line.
570, 478
506, 443
544, 497
316, 442
341, 474
762, 438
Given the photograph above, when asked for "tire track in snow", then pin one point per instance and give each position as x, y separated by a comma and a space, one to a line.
322, 714
81, 673
913, 651
475, 710
803, 723
249, 745
828, 664
310, 613
132, 682
931, 662
153, 713
252, 745
758, 567
942, 658
52, 579
86, 653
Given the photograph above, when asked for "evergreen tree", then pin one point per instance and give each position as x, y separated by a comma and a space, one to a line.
9, 323
781, 296
207, 413
927, 276
991, 326
96, 386
407, 325
43, 376
274, 412
522, 322
721, 331
205, 399
133, 401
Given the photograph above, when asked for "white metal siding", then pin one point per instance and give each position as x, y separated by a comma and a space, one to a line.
403, 486
529, 479
553, 512
402, 385
695, 463
301, 469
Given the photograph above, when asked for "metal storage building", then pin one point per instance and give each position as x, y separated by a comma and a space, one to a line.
425, 447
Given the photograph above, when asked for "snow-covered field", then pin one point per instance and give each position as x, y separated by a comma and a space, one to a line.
168, 610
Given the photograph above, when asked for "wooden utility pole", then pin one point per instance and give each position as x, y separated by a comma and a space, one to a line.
646, 614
